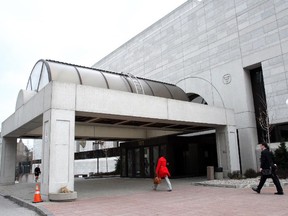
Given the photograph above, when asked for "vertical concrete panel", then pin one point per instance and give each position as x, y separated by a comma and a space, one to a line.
61, 150
45, 152
0, 150
58, 151
45, 155
221, 150
8, 160
62, 135
227, 149
248, 142
233, 151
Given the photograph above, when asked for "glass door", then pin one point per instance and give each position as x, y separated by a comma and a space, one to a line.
137, 162
155, 157
130, 162
146, 162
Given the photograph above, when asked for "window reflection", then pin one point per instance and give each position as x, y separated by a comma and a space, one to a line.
137, 162
147, 161
35, 75
44, 78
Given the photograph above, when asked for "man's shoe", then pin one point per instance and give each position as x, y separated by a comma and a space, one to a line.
256, 190
279, 193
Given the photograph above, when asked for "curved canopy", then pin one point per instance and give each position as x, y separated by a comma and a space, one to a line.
46, 71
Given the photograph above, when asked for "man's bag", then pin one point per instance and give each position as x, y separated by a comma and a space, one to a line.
266, 172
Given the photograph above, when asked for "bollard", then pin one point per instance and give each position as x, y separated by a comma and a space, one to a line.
219, 173
210, 172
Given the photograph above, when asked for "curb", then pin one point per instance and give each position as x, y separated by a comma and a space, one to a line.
38, 209
215, 185
267, 184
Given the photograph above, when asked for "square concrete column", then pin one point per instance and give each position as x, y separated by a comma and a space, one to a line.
8, 161
227, 149
58, 154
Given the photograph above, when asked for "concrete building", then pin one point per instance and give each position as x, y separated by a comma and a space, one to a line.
222, 52
234, 54
64, 102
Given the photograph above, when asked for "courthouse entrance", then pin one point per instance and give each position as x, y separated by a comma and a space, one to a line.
65, 102
187, 156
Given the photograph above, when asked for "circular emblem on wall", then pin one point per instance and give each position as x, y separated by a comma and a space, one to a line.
227, 79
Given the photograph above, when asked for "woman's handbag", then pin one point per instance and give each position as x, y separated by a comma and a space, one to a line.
157, 180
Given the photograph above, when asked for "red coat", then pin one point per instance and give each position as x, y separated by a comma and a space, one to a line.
161, 169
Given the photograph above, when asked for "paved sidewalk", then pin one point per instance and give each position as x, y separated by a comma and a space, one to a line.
8, 208
125, 197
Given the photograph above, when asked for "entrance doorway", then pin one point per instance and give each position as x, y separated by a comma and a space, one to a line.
186, 156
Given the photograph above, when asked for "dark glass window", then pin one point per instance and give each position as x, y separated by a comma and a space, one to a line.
147, 162
260, 105
266, 132
123, 162
279, 133
130, 163
137, 162
195, 98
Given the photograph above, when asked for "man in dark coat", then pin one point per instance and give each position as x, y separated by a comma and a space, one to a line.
267, 169
37, 172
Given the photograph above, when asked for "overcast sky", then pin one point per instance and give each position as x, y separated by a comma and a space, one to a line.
73, 31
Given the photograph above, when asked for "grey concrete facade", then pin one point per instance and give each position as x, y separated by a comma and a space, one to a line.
207, 47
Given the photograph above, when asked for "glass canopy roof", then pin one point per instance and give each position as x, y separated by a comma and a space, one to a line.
46, 71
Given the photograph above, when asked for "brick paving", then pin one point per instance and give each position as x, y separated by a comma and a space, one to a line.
185, 199
125, 197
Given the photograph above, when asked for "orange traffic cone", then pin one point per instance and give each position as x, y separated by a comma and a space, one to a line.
37, 196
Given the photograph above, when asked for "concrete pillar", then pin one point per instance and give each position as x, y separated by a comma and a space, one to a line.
58, 154
248, 144
227, 149
8, 161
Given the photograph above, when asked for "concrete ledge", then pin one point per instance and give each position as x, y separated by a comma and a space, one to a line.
215, 185
238, 183
38, 209
62, 197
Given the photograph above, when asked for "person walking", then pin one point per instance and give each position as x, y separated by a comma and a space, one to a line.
163, 172
37, 172
268, 170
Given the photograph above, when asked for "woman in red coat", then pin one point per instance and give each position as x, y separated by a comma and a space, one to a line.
163, 172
